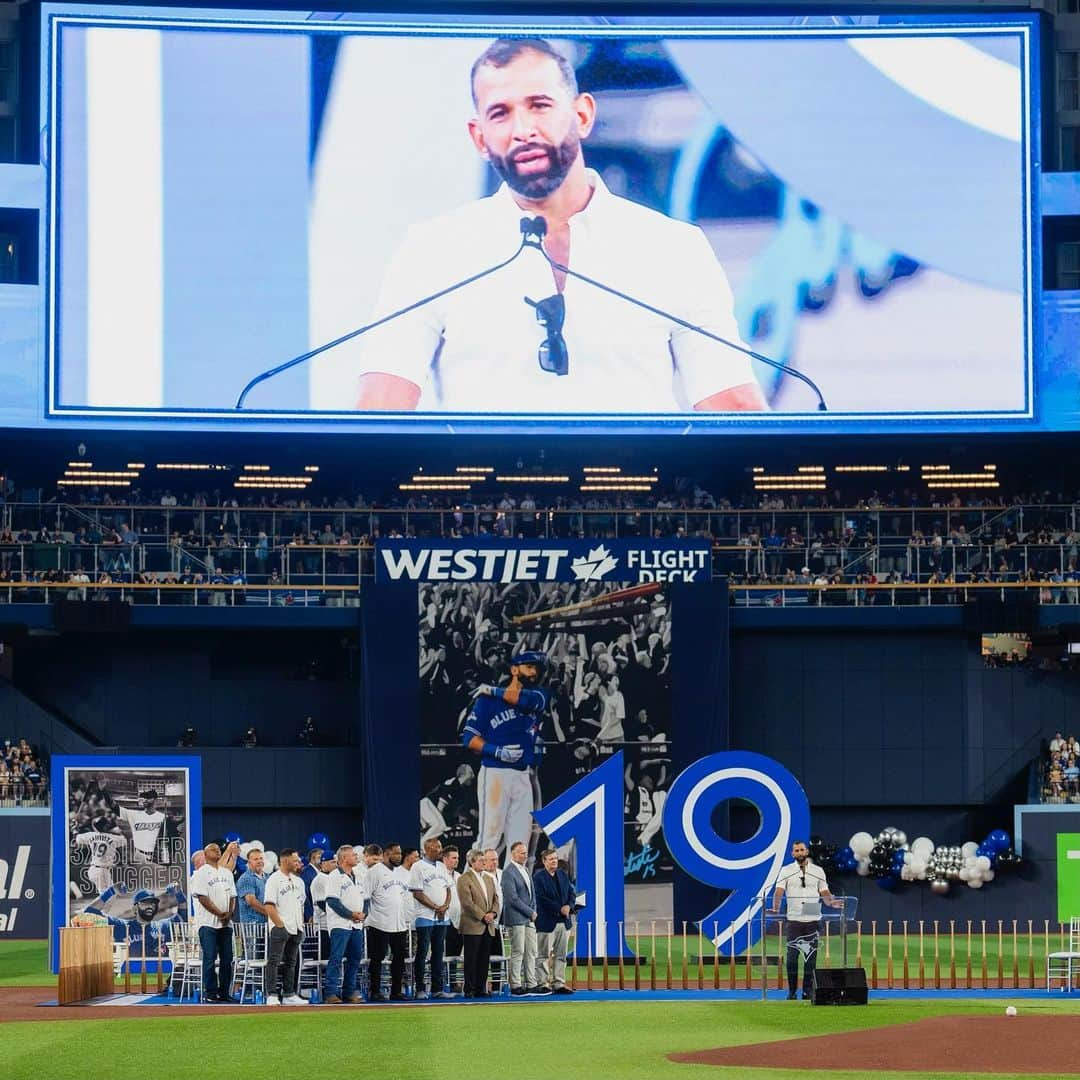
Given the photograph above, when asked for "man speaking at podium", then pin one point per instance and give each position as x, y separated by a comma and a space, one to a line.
804, 884
526, 339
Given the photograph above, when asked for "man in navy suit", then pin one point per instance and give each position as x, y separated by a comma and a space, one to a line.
554, 905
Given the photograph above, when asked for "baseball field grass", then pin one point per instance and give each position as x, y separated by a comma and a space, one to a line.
579, 1039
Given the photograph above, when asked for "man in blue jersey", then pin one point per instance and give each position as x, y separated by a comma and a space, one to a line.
144, 929
503, 727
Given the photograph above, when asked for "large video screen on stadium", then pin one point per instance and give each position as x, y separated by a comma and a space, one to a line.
848, 197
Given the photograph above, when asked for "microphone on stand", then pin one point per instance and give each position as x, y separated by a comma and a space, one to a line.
537, 227
528, 228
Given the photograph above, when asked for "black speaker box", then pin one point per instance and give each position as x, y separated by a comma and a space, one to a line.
840, 986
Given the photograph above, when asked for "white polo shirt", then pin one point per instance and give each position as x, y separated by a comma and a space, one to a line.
350, 891
318, 893
391, 901
476, 349
432, 880
453, 914
791, 881
218, 887
287, 893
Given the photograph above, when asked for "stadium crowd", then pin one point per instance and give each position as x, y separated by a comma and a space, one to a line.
24, 779
1060, 769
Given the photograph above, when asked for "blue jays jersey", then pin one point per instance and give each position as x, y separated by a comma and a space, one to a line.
501, 724
158, 933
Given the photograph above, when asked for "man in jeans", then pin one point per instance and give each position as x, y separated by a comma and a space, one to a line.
215, 903
284, 902
429, 884
554, 905
519, 915
345, 896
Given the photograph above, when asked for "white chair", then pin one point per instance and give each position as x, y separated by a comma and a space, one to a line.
186, 957
499, 965
1063, 966
119, 957
250, 946
312, 962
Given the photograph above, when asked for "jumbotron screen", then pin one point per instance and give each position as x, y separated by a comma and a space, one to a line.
634, 207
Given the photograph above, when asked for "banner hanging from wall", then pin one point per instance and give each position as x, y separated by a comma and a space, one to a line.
24, 874
123, 830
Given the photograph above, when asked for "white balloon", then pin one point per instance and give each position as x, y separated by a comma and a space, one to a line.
256, 843
969, 849
965, 873
269, 861
923, 846
988, 876
863, 868
862, 843
908, 858
975, 883
983, 862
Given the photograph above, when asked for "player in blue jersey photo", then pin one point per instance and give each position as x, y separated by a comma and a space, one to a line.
504, 728
144, 932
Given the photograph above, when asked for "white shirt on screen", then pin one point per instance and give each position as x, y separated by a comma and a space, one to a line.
797, 893
476, 349
287, 893
145, 829
218, 886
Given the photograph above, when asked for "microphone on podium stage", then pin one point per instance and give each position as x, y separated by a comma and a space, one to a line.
359, 331
533, 231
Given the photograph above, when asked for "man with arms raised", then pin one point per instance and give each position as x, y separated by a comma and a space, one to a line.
555, 344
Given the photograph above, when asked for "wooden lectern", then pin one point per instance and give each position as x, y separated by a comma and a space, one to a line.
86, 963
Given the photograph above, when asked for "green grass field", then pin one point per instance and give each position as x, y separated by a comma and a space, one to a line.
593, 1040
579, 1039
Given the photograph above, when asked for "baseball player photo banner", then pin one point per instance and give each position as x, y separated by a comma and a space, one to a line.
123, 829
528, 687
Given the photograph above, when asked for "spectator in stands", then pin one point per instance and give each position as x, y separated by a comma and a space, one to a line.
1071, 776
250, 739
308, 735
189, 737
1055, 778
1057, 744
251, 888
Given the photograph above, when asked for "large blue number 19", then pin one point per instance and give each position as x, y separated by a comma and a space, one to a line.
591, 814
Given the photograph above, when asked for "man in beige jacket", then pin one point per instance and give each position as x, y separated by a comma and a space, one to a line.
479, 919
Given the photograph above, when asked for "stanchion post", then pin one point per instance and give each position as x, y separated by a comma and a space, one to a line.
670, 946
1016, 958
602, 936
716, 956
748, 972
142, 966
637, 955
1001, 959
685, 959
127, 959
700, 958
922, 965
652, 977
161, 974
622, 971
731, 963
969, 951
937, 957
952, 955
1031, 954
889, 961
779, 955
873, 954
1046, 940
907, 973
982, 968
588, 962
858, 943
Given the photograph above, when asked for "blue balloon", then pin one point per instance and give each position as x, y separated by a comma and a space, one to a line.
233, 838
318, 840
845, 853
998, 840
888, 883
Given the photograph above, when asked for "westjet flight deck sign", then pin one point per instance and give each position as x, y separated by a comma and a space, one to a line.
489, 559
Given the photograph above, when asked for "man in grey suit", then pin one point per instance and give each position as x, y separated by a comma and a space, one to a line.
519, 916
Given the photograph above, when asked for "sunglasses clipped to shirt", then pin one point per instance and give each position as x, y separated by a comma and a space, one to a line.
551, 314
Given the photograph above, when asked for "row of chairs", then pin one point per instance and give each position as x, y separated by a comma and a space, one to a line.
1063, 966
250, 946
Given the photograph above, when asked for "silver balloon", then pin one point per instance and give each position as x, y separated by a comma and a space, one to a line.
900, 839
940, 887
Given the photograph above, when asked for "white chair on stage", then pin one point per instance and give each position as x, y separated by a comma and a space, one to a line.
1063, 966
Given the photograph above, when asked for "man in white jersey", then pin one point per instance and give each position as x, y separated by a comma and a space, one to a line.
144, 827
804, 885
345, 896
429, 884
317, 892
557, 345
103, 846
284, 902
450, 859
388, 920
214, 894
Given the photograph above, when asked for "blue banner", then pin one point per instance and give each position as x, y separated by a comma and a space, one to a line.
543, 560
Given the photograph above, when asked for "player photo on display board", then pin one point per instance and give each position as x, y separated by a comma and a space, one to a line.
524, 689
128, 850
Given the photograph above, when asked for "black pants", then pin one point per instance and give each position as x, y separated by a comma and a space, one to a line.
282, 962
802, 940
477, 956
216, 945
453, 941
379, 942
429, 939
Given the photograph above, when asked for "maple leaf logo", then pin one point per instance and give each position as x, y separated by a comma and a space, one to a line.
595, 565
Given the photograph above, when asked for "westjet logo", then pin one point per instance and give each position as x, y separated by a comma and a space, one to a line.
474, 564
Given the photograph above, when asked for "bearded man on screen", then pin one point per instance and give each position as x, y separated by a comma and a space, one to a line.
527, 339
